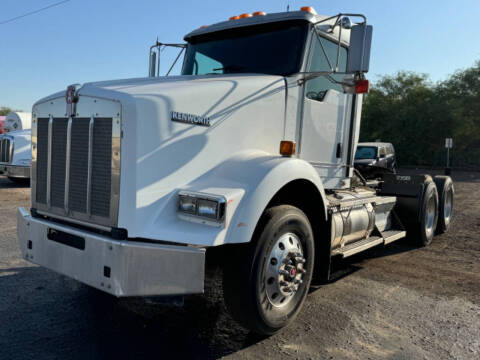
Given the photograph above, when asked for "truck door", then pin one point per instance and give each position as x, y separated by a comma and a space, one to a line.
326, 108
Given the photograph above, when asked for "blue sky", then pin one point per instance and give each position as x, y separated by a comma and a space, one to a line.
88, 40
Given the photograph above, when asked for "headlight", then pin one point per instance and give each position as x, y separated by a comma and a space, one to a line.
207, 206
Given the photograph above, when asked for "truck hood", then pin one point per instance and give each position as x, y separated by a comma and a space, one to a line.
159, 156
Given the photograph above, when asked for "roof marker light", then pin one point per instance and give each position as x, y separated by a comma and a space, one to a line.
203, 26
236, 17
259, 13
244, 16
308, 9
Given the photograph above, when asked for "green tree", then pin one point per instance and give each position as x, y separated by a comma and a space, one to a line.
414, 114
4, 110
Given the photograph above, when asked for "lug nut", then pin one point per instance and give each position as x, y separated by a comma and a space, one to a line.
300, 260
283, 272
283, 283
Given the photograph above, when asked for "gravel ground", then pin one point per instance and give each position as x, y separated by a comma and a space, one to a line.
393, 302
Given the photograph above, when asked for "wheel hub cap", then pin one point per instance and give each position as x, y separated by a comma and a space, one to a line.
284, 270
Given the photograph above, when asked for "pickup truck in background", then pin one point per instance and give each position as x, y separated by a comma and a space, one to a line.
375, 154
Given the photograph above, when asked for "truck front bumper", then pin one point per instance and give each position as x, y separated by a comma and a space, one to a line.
121, 268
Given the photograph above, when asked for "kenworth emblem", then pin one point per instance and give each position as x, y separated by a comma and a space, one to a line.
190, 119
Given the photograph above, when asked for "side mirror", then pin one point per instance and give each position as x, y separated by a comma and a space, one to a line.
153, 64
382, 156
359, 52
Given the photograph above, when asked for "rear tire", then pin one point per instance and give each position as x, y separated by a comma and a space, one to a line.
266, 281
426, 225
445, 202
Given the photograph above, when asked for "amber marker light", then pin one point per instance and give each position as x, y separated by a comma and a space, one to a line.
287, 148
244, 16
236, 17
259, 13
308, 9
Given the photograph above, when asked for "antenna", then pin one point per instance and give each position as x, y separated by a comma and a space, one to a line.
288, 7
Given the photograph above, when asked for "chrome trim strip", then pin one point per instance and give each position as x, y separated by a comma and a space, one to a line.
12, 147
49, 161
33, 171
67, 164
116, 160
75, 221
89, 171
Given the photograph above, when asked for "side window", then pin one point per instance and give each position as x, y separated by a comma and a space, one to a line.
382, 151
318, 87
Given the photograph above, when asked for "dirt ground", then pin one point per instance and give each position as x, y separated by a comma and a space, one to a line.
394, 302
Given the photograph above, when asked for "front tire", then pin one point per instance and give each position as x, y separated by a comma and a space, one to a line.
266, 283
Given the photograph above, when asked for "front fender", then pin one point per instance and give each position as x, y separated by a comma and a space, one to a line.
249, 181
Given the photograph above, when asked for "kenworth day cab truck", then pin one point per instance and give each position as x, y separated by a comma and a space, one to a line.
245, 160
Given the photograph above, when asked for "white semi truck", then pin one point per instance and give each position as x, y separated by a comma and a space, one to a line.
244, 161
15, 146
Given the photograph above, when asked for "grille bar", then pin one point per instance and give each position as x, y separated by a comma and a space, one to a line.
89, 171
67, 164
49, 162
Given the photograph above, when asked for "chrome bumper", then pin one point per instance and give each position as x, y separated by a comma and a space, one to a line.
15, 171
121, 268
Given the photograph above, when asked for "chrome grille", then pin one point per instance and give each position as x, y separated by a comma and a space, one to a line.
6, 149
73, 168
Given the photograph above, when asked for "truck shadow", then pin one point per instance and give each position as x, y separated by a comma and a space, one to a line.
46, 315
341, 268
6, 183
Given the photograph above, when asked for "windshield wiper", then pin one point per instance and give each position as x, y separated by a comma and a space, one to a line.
230, 68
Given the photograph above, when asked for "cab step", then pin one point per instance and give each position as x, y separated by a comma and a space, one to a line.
358, 246
387, 237
393, 235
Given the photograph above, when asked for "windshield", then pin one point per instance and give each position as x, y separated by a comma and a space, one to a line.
366, 152
275, 49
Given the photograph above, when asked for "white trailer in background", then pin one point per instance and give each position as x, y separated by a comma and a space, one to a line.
15, 146
17, 120
244, 161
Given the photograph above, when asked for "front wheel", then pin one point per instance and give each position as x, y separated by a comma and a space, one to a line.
266, 283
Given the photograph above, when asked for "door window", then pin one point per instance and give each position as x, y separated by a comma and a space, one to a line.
317, 88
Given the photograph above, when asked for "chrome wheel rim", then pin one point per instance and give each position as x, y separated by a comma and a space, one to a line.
448, 206
284, 270
430, 215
